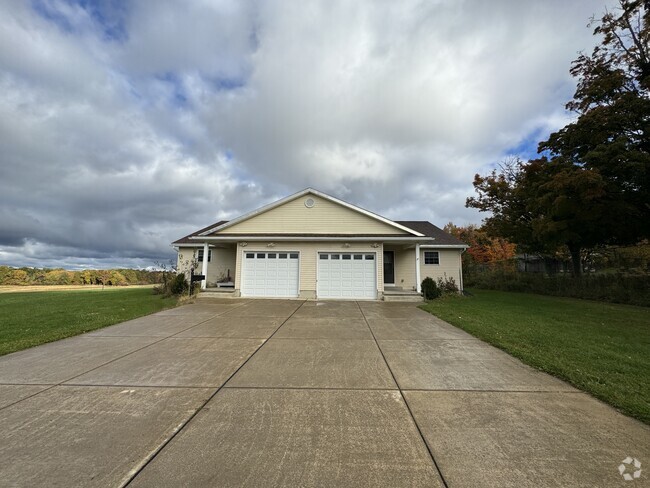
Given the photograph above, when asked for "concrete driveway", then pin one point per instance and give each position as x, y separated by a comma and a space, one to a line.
292, 393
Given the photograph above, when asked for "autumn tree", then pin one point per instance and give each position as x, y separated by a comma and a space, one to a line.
483, 247
611, 134
592, 186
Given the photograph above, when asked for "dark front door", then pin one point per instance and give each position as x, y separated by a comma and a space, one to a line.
389, 267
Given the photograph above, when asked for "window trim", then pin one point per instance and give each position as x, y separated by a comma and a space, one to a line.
436, 258
199, 256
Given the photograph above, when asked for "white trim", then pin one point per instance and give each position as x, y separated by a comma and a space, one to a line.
204, 267
444, 246
425, 257
273, 238
418, 276
284, 200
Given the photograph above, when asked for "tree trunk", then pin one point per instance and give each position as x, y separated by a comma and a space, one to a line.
575, 259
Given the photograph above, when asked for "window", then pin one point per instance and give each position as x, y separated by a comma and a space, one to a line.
271, 255
261, 255
431, 257
358, 256
250, 255
293, 255
347, 256
200, 258
336, 256
282, 255
323, 256
370, 257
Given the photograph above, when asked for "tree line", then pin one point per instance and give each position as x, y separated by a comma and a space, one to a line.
590, 187
46, 276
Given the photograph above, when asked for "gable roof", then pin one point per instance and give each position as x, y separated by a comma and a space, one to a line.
416, 228
428, 229
218, 228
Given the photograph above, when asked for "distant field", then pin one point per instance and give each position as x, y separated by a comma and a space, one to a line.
33, 318
31, 288
601, 348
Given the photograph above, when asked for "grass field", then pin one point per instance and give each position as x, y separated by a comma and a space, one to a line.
601, 348
33, 288
32, 318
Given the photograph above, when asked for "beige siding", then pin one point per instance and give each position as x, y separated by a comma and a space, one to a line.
450, 265
405, 268
308, 260
324, 217
222, 260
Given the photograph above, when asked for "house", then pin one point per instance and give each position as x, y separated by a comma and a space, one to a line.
312, 245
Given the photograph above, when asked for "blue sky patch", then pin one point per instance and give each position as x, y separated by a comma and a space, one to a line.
109, 16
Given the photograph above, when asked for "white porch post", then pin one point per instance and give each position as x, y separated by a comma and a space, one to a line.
418, 282
204, 269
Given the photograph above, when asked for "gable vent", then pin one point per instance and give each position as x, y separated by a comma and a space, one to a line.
309, 203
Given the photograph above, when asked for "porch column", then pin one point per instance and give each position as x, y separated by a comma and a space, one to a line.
418, 281
204, 269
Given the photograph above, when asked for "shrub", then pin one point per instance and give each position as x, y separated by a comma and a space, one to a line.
175, 286
447, 285
429, 289
178, 285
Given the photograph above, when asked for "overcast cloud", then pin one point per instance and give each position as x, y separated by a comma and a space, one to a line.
126, 125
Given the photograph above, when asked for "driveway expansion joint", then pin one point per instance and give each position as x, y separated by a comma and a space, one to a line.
426, 444
154, 453
63, 382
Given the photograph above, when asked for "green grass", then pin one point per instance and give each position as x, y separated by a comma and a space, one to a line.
601, 348
29, 319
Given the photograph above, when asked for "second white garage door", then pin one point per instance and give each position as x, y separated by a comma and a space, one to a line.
270, 274
347, 275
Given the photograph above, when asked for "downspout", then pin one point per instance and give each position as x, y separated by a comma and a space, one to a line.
460, 276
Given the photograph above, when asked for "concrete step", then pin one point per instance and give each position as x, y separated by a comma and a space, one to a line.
403, 297
217, 293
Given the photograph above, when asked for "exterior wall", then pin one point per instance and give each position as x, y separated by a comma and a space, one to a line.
324, 217
450, 265
223, 259
308, 260
405, 269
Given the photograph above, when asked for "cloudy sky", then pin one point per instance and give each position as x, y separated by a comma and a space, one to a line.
126, 125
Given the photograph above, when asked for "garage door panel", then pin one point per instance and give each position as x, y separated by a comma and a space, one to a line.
347, 275
270, 274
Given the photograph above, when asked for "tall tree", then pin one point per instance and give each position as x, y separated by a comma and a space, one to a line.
593, 185
542, 205
611, 134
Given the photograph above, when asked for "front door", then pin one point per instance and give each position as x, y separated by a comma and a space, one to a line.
389, 267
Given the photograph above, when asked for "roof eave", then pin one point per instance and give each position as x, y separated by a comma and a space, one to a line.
253, 237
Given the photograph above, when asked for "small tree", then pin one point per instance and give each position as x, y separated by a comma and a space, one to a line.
429, 289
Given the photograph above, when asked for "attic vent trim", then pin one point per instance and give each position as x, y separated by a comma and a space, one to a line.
309, 203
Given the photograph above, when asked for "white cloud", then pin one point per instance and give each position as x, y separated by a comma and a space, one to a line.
125, 128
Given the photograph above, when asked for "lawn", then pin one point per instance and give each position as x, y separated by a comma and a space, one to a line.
601, 348
32, 318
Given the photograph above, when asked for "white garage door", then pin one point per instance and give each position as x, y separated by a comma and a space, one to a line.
270, 274
347, 275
